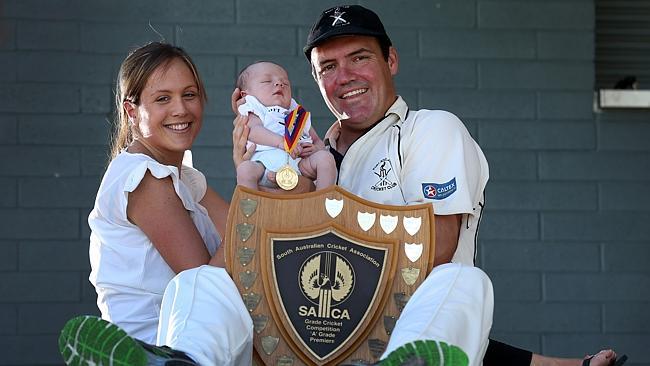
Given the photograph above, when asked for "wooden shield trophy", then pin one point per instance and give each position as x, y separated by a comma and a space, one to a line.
325, 274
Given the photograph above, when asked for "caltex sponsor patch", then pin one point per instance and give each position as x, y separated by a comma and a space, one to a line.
438, 191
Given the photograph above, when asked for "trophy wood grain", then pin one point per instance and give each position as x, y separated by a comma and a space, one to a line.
304, 214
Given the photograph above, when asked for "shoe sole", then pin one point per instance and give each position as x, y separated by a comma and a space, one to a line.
89, 340
426, 353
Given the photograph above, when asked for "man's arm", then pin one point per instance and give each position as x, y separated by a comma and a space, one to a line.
447, 233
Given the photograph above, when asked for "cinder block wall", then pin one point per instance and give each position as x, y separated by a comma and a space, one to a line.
565, 237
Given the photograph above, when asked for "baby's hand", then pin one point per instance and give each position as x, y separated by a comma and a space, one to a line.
307, 149
297, 151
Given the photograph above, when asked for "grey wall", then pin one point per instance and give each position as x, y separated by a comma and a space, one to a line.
565, 238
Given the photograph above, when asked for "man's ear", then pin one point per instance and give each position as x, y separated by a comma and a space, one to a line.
393, 61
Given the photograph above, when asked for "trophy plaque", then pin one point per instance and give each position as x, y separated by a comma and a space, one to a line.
325, 275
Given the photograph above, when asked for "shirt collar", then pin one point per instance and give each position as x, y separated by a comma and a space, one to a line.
399, 108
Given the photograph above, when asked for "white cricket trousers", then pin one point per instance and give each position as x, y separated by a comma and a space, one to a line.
203, 315
454, 304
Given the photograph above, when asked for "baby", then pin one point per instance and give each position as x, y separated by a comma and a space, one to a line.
267, 92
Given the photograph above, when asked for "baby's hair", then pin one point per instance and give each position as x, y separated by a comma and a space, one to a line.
243, 74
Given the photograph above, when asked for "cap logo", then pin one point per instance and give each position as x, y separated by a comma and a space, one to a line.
338, 17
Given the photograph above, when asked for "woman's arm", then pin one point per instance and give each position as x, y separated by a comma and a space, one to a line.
157, 210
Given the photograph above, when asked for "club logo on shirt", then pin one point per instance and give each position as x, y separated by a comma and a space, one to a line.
436, 191
382, 170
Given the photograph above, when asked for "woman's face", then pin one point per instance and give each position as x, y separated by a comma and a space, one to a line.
169, 115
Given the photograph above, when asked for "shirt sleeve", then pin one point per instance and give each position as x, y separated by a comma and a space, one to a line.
442, 164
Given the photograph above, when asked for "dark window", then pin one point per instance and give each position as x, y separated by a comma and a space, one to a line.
622, 44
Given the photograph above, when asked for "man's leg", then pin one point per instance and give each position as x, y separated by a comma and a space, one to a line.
453, 305
203, 315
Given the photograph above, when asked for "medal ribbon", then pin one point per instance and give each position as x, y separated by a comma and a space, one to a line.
294, 123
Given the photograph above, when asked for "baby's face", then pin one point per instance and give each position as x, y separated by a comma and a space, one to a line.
269, 83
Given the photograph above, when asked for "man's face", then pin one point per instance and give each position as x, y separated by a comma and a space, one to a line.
355, 79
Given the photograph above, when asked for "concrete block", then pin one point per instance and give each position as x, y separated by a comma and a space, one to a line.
8, 319
65, 192
94, 160
158, 12
8, 35
541, 317
438, 14
8, 64
216, 70
39, 287
590, 287
39, 224
39, 161
573, 45
235, 40
566, 105
65, 68
406, 42
47, 35
214, 162
481, 104
216, 132
303, 13
8, 260
8, 192
223, 186
612, 166
610, 226
509, 225
631, 196
624, 135
55, 130
463, 44
30, 350
566, 75
504, 165
542, 196
514, 286
53, 256
9, 127
219, 101
39, 98
626, 257
538, 135
539, 256
50, 318
428, 73
97, 99
627, 317
528, 15
122, 38
42, 9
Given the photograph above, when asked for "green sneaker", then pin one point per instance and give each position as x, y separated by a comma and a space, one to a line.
426, 353
89, 340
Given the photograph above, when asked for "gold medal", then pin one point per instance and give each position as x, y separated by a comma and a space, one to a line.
287, 178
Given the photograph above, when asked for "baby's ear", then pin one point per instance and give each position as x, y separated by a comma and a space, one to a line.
243, 93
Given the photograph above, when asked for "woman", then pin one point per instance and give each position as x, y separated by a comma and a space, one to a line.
156, 255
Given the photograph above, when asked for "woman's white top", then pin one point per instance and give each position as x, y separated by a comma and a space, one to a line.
128, 272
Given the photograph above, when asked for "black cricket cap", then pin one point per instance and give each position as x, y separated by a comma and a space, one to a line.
345, 20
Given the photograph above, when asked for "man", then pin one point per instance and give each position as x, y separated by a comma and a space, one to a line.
390, 154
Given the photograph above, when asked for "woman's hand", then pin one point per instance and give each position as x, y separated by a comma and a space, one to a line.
241, 152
